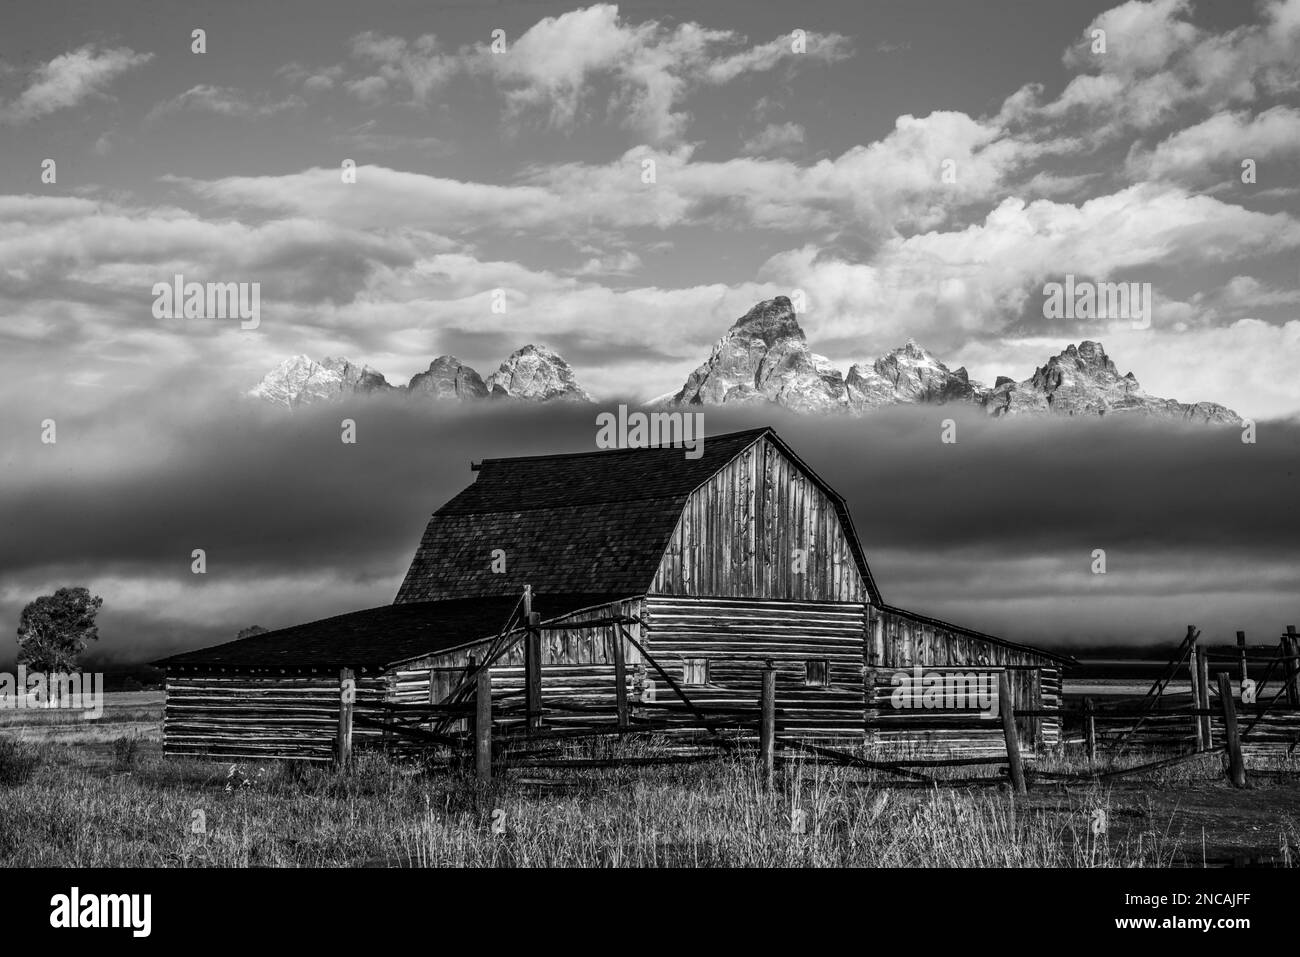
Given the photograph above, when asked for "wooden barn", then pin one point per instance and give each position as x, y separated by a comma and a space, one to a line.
659, 584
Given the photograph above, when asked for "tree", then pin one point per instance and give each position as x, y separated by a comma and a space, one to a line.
250, 631
53, 629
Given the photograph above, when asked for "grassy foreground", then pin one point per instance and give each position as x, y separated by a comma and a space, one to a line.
103, 795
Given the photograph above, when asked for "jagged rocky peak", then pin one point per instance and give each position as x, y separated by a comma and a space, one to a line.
909, 373
354, 377
448, 378
771, 320
764, 358
1083, 380
300, 380
533, 373
536, 373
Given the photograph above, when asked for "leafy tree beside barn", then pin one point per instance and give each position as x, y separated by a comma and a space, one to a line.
53, 630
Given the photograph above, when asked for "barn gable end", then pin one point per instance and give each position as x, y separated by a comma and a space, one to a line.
764, 526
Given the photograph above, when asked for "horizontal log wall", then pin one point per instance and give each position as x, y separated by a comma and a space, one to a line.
950, 731
261, 716
737, 636
760, 528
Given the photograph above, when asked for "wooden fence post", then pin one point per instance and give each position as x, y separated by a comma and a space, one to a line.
1194, 671
1090, 731
767, 724
1236, 766
1291, 647
1007, 707
532, 663
483, 724
343, 738
620, 680
1203, 682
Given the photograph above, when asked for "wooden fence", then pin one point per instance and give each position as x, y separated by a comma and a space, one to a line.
481, 717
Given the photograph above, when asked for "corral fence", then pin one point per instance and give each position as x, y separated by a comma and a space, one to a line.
516, 729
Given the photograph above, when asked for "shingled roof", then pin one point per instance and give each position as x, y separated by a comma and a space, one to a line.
378, 637
587, 521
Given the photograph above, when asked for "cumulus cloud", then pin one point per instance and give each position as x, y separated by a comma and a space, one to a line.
1158, 67
588, 63
70, 79
894, 184
944, 287
650, 67
1213, 149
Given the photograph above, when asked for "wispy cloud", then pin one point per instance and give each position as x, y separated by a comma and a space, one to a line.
70, 79
224, 101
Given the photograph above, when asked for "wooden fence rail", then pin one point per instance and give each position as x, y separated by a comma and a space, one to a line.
516, 727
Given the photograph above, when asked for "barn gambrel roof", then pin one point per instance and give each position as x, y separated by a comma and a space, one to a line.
581, 522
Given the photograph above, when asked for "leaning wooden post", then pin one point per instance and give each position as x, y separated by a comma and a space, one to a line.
343, 738
1007, 706
1236, 766
767, 724
483, 724
1203, 681
1194, 671
532, 663
1291, 648
1090, 731
620, 680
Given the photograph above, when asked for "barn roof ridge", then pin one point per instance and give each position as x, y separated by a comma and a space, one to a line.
631, 450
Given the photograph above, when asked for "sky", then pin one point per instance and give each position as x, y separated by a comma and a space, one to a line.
912, 170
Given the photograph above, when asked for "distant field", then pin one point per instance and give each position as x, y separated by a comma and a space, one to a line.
103, 795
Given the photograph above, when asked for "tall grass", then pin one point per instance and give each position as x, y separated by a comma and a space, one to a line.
382, 813
18, 762
103, 795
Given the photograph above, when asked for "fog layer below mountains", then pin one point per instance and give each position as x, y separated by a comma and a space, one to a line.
996, 531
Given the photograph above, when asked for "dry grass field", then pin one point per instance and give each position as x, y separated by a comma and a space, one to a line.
83, 794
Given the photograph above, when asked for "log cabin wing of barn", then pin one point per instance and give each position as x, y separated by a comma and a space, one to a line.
693, 573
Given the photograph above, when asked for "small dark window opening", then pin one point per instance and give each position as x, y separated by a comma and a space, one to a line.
817, 673
695, 671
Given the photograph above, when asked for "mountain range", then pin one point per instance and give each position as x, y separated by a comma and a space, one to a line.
533, 373
764, 358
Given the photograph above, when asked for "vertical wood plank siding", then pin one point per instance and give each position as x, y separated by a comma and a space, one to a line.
577, 669
259, 716
738, 535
